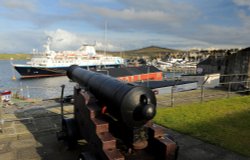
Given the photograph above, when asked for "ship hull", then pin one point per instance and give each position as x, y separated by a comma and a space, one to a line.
36, 72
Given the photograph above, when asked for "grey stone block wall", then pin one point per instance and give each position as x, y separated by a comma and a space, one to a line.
237, 63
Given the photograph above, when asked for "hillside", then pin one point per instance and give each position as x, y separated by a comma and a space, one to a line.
19, 56
147, 51
152, 51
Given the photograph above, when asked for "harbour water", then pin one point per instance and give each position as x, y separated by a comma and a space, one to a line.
42, 88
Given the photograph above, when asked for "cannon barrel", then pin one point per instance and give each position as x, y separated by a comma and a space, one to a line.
134, 105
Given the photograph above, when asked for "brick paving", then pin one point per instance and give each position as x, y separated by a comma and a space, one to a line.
34, 137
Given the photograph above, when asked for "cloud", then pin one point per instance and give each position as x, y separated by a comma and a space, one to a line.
109, 46
178, 20
242, 3
163, 5
64, 40
36, 19
131, 24
221, 36
158, 15
21, 42
28, 5
33, 13
25, 41
245, 19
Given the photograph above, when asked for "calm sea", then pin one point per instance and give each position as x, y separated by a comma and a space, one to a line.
42, 88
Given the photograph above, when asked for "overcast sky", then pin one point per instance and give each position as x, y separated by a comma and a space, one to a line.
131, 24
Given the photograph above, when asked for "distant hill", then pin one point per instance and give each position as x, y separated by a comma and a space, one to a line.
147, 51
152, 51
17, 56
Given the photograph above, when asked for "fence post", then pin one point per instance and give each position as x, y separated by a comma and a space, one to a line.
28, 92
21, 91
229, 90
1, 117
202, 93
172, 96
202, 88
248, 86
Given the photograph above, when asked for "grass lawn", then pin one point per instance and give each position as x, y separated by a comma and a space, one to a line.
224, 122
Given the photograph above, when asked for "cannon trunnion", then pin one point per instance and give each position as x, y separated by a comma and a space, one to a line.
115, 119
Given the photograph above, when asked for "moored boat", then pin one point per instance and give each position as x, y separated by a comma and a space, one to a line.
51, 63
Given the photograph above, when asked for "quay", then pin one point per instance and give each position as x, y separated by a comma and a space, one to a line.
28, 132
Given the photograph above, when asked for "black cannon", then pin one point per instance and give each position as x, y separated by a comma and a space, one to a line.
134, 105
113, 117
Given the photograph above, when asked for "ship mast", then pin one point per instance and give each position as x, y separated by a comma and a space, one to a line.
47, 45
105, 39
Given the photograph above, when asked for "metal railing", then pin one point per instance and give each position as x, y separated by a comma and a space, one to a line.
41, 93
205, 93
